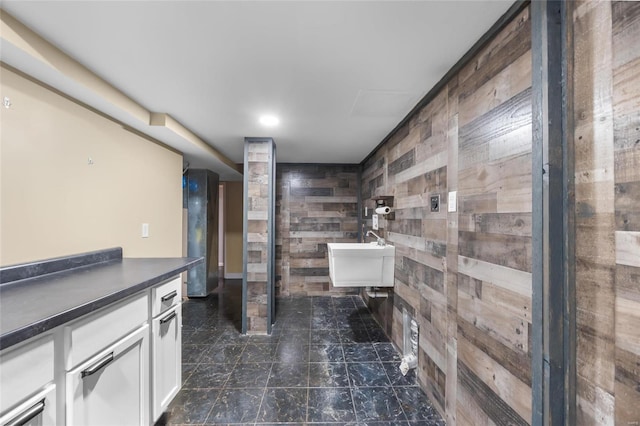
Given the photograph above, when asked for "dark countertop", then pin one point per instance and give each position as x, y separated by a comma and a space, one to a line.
39, 303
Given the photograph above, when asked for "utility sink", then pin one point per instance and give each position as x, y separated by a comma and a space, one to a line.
361, 264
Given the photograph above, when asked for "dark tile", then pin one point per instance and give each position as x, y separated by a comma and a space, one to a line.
387, 352
262, 338
191, 354
349, 322
191, 406
295, 336
360, 352
324, 336
258, 352
236, 406
367, 374
326, 353
344, 303
253, 375
326, 374
296, 322
202, 337
208, 376
289, 351
231, 335
322, 321
354, 335
416, 405
222, 354
377, 404
330, 405
395, 376
377, 335
284, 405
288, 375
187, 369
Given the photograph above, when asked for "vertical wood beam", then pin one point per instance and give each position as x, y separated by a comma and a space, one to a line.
258, 275
553, 340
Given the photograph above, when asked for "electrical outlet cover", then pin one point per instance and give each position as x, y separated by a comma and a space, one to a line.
374, 219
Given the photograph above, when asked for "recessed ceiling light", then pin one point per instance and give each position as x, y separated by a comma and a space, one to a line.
269, 120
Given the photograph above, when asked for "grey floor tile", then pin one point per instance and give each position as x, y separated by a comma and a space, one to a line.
367, 374
251, 375
224, 354
377, 404
236, 406
416, 405
324, 336
288, 375
327, 374
284, 405
331, 352
359, 352
292, 351
330, 405
395, 376
387, 352
263, 352
191, 354
208, 376
354, 335
191, 406
187, 369
325, 343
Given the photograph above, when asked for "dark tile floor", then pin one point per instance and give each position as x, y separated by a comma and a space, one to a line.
327, 362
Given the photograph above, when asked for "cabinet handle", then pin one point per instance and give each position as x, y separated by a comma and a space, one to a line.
169, 296
97, 366
168, 318
24, 417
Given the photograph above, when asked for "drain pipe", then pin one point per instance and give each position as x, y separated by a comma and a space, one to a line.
370, 291
410, 343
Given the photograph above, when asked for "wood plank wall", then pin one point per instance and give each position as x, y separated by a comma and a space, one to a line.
466, 276
257, 173
607, 141
315, 204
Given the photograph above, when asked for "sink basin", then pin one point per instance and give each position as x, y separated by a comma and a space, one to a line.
361, 264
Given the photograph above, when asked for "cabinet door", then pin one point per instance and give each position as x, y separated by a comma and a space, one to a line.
112, 388
39, 410
166, 359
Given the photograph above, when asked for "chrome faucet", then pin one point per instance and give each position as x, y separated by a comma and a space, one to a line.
381, 241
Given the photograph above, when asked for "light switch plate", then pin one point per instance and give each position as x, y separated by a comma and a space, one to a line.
374, 219
145, 230
452, 205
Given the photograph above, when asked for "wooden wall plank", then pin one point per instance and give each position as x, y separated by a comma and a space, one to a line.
317, 204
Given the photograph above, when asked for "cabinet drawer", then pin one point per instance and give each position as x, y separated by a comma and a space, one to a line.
164, 296
39, 410
112, 387
98, 330
25, 370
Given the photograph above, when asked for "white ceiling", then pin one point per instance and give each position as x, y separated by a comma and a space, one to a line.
340, 75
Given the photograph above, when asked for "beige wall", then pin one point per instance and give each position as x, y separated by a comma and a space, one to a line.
53, 203
233, 224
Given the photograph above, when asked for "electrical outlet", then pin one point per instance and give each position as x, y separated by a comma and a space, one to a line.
435, 203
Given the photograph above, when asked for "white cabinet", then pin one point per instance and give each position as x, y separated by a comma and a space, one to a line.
120, 365
111, 388
38, 410
166, 345
166, 360
27, 383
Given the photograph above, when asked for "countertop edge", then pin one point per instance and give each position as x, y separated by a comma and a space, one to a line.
19, 335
